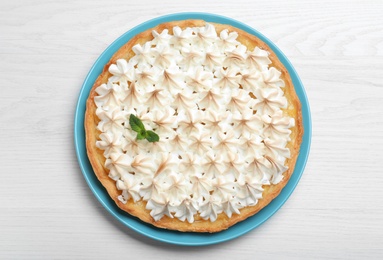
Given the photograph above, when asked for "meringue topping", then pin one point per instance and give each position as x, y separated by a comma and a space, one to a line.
205, 36
228, 40
181, 38
258, 59
109, 95
122, 72
217, 108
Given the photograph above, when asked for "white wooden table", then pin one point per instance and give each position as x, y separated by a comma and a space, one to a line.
47, 210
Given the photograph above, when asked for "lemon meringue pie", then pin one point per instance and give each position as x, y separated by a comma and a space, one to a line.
226, 114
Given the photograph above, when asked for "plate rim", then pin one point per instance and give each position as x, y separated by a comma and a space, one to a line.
175, 237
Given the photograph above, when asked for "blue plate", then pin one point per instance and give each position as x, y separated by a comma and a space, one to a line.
190, 239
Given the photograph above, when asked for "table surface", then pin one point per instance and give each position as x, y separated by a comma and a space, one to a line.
47, 210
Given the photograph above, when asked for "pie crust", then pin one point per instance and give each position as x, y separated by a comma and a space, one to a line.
138, 209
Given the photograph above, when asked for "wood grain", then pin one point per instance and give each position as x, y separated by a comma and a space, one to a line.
48, 212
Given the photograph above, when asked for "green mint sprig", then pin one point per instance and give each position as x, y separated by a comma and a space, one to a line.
138, 127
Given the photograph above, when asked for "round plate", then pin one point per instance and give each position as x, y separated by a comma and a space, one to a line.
174, 237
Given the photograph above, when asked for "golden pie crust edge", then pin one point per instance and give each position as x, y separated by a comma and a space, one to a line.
138, 209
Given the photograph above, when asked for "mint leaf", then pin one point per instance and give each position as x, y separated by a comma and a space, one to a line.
152, 136
136, 124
